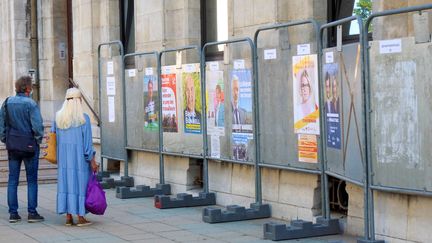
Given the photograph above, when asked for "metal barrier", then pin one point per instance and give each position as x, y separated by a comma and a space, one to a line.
297, 228
182, 199
235, 212
139, 137
375, 171
338, 174
112, 124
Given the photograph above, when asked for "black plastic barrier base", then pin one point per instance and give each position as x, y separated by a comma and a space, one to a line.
185, 200
369, 241
236, 213
108, 183
301, 229
102, 174
142, 191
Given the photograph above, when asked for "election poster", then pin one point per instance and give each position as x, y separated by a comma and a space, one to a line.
332, 105
307, 148
169, 99
191, 87
151, 103
305, 94
215, 103
241, 100
240, 145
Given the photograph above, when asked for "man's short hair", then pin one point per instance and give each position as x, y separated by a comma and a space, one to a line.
22, 83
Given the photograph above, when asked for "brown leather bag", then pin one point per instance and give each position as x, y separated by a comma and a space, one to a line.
51, 150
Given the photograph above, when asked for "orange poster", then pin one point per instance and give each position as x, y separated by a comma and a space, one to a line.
307, 148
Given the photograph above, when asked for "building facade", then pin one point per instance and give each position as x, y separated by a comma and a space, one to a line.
59, 39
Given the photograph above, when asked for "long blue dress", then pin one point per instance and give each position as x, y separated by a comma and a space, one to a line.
74, 153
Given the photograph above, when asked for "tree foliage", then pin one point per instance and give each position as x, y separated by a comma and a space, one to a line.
363, 9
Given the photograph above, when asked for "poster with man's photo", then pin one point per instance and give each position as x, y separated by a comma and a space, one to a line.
215, 103
305, 89
192, 108
151, 103
169, 99
241, 100
240, 145
332, 105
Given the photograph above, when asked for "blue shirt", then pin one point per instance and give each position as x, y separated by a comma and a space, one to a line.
24, 115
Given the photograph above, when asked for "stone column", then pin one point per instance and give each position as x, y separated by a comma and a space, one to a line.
15, 43
53, 65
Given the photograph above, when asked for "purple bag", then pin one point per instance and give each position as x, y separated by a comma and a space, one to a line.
95, 201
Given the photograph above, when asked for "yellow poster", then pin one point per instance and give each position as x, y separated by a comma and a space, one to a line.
305, 93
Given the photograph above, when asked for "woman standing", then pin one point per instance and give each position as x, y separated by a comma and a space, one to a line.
75, 157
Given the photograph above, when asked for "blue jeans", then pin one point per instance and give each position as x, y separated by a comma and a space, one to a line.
31, 166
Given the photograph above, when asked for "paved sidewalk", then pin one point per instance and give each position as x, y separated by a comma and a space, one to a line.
128, 220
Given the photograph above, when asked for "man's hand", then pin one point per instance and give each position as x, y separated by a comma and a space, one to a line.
94, 165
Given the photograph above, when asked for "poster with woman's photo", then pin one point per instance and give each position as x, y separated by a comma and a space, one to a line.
169, 99
305, 89
332, 105
215, 103
151, 103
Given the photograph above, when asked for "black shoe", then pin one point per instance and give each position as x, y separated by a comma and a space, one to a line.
35, 217
14, 217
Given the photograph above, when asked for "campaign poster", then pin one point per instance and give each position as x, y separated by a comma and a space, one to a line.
192, 108
215, 98
305, 93
169, 99
151, 103
332, 105
241, 100
307, 148
240, 145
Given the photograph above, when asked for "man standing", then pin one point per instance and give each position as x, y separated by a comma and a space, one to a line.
23, 115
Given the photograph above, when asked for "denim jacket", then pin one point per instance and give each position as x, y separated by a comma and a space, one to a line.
24, 115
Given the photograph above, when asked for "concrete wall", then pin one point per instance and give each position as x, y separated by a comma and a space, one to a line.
398, 217
396, 26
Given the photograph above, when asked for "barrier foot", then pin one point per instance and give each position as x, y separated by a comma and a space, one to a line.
108, 183
236, 213
101, 174
301, 229
369, 241
184, 200
123, 192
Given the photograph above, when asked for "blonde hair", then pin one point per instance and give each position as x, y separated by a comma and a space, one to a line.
71, 114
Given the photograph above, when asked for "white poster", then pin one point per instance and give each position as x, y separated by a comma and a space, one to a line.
215, 146
111, 109
110, 68
110, 84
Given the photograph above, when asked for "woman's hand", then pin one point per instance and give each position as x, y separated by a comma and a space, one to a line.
94, 165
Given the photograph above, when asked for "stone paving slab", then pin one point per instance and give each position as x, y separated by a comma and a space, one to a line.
129, 220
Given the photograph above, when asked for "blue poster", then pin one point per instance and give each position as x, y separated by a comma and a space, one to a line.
332, 105
241, 100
